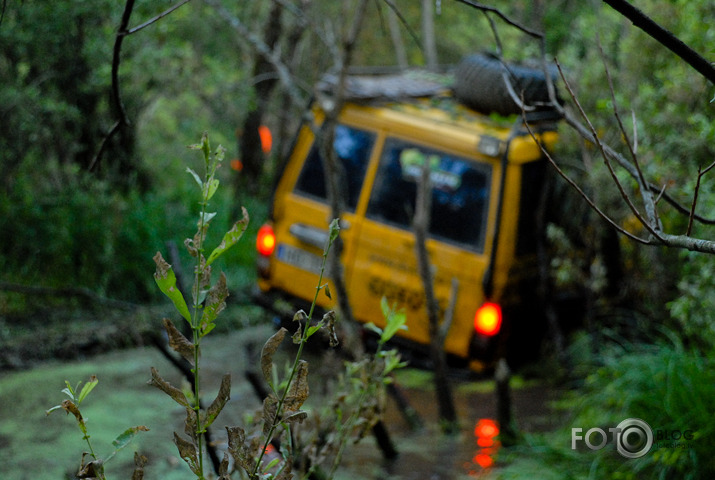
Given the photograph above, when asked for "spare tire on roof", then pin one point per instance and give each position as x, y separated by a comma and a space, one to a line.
479, 83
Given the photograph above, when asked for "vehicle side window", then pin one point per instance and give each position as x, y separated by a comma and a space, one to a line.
353, 148
460, 192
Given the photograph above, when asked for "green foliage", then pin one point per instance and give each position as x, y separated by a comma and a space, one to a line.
692, 308
64, 227
207, 302
669, 386
95, 467
282, 407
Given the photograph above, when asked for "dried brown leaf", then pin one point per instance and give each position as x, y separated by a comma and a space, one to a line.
298, 391
179, 342
237, 448
298, 335
91, 470
285, 473
215, 304
139, 462
162, 266
270, 413
224, 393
187, 451
329, 320
69, 407
297, 416
267, 352
223, 468
191, 423
167, 388
300, 316
189, 244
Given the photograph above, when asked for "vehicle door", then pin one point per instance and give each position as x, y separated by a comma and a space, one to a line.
303, 214
385, 259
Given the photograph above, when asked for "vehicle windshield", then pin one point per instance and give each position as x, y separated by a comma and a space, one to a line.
353, 148
460, 192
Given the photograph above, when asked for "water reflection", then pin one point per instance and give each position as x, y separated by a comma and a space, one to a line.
486, 432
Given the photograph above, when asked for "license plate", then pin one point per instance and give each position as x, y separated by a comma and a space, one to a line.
300, 258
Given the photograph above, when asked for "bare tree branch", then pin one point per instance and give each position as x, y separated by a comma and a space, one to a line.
583, 194
116, 96
157, 18
664, 37
284, 75
701, 172
651, 223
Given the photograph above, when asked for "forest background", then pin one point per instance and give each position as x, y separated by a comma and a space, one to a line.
83, 216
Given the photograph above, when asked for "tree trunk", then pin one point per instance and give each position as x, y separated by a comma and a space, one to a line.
428, 39
250, 147
443, 390
397, 43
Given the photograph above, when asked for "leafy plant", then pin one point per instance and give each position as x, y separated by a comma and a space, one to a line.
670, 386
356, 407
207, 302
95, 467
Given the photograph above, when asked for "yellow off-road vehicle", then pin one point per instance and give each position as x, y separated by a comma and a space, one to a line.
486, 178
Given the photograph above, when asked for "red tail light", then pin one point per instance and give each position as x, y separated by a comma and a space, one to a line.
487, 320
266, 240
486, 430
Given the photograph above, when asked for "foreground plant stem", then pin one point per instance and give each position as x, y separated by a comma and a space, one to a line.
196, 331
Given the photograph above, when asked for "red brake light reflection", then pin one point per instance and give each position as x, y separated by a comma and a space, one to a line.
265, 240
487, 320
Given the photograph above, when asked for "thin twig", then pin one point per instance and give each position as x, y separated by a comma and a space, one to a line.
155, 19
583, 194
701, 172
650, 208
604, 154
284, 75
505, 18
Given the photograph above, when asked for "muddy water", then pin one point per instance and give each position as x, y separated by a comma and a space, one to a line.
427, 454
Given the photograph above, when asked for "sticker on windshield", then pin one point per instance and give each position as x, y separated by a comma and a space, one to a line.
411, 162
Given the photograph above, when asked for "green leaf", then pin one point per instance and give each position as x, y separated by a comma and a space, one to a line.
272, 464
392, 362
311, 330
127, 436
395, 321
207, 217
373, 328
334, 229
56, 407
88, 387
196, 177
211, 188
166, 280
230, 238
